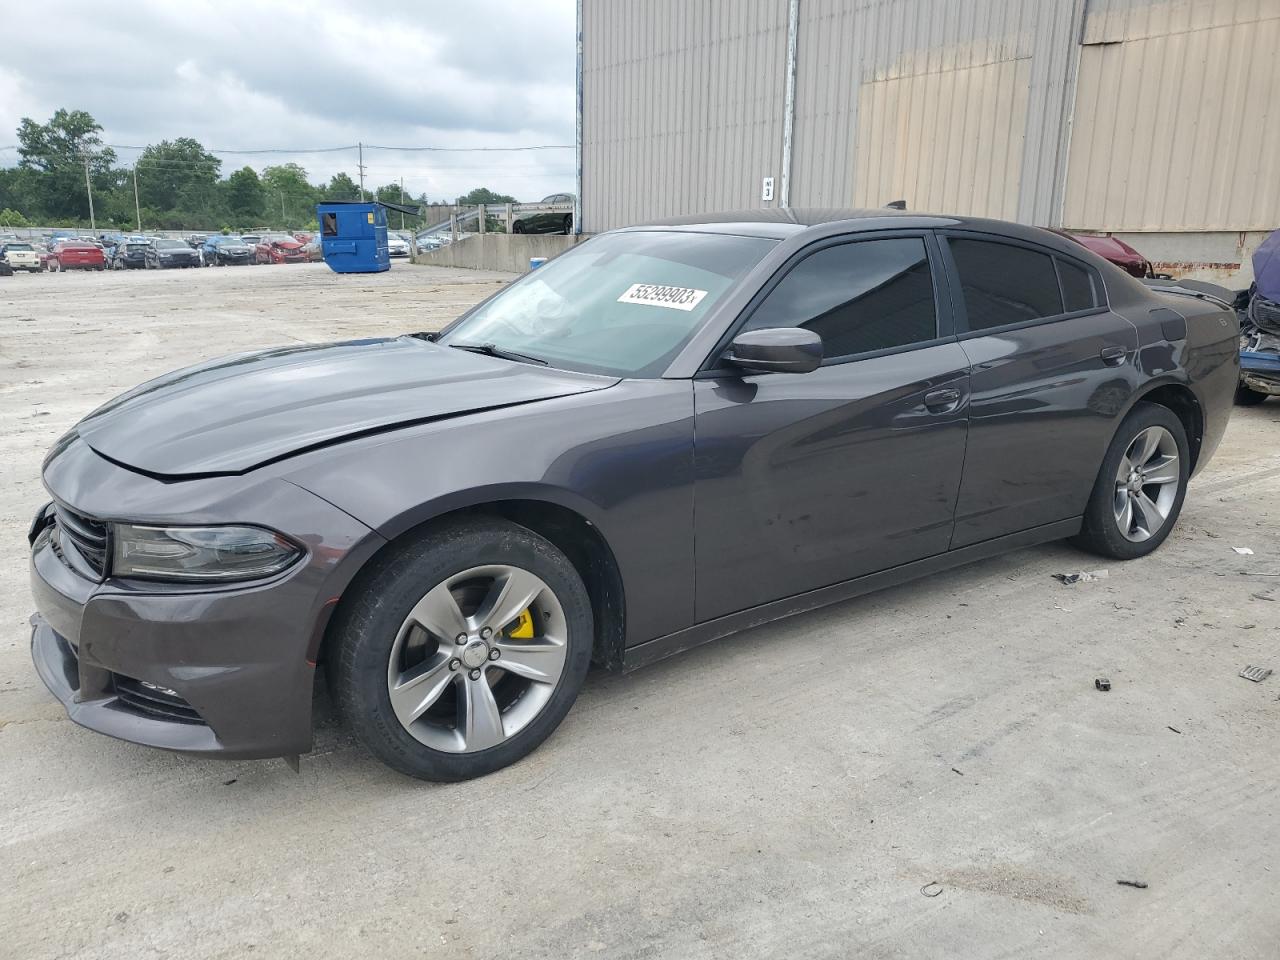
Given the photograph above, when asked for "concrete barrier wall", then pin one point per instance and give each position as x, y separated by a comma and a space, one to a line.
498, 251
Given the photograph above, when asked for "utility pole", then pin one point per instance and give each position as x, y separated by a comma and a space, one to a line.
283, 223
93, 224
402, 202
360, 165
137, 207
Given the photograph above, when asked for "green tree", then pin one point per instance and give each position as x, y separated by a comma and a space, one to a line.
12, 218
341, 187
244, 196
483, 195
58, 151
171, 169
290, 196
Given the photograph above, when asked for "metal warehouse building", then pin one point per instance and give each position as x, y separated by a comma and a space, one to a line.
1158, 121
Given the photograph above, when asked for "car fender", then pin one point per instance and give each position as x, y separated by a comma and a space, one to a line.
620, 458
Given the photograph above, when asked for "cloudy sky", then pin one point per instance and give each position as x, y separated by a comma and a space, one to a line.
301, 75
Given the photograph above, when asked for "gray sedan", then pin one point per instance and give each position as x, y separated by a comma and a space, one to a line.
663, 436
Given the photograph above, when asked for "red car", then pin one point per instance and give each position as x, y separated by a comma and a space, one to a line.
76, 255
1116, 250
278, 248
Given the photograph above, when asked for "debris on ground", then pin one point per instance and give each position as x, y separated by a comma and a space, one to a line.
1084, 576
1256, 674
1174, 729
1139, 884
1243, 551
1102, 683
954, 770
931, 889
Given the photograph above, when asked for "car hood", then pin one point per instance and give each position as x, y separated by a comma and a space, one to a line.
233, 248
236, 413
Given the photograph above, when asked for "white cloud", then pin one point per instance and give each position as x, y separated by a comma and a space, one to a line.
236, 74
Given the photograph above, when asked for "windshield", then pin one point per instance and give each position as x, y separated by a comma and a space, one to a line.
229, 241
171, 245
622, 304
137, 245
17, 246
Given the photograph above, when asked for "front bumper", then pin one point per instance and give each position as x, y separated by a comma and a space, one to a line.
1261, 372
225, 670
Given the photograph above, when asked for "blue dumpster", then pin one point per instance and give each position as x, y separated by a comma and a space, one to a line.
353, 236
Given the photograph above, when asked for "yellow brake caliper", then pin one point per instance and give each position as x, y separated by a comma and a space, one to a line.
523, 627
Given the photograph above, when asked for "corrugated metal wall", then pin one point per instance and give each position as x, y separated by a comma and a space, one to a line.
965, 98
1177, 117
956, 105
682, 106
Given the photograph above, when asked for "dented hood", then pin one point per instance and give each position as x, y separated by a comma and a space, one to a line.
236, 413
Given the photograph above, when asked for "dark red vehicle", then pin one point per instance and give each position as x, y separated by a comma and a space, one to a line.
76, 255
279, 248
1115, 250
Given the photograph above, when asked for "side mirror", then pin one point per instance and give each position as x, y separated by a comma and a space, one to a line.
777, 350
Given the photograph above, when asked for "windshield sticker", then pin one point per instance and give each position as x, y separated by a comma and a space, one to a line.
656, 295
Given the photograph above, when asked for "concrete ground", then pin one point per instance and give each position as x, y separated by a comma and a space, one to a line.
787, 793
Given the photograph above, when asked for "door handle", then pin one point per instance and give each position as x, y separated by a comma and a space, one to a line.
1112, 356
941, 401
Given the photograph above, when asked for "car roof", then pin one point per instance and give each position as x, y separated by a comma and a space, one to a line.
779, 223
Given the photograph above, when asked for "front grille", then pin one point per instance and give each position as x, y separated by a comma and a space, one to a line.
1266, 314
147, 698
87, 536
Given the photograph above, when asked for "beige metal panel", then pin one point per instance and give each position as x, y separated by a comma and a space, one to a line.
846, 44
1111, 21
1177, 131
909, 140
682, 106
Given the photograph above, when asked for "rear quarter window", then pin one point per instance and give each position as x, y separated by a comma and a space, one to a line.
1004, 284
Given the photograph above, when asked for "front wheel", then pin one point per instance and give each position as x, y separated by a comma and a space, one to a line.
1140, 487
462, 650
1248, 397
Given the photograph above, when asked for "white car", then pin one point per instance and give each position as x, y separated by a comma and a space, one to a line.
21, 256
397, 245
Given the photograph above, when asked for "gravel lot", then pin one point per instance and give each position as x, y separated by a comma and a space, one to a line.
783, 794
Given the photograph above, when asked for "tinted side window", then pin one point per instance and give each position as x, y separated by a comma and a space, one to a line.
1077, 286
1005, 284
859, 297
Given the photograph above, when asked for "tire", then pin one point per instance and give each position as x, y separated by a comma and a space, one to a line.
517, 227
1154, 506
1248, 397
463, 564
568, 225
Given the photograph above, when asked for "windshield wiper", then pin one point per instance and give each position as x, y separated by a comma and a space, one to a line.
493, 350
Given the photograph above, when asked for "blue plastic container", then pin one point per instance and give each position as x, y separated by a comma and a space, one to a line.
353, 236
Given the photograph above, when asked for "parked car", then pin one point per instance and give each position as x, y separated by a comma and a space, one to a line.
5, 269
162, 253
1114, 250
76, 255
1259, 311
21, 256
131, 254
663, 435
196, 240
220, 251
278, 248
397, 245
547, 221
313, 250
252, 239
45, 253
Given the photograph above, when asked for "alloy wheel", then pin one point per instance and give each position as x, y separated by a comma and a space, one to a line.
477, 658
1147, 482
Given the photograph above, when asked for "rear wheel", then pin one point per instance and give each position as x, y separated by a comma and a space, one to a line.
517, 227
568, 224
1248, 397
463, 650
1138, 495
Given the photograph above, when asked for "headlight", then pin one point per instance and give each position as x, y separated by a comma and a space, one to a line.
199, 554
